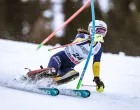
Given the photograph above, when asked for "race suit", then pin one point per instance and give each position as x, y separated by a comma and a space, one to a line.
66, 60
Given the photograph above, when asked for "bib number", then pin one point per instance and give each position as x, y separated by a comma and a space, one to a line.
76, 55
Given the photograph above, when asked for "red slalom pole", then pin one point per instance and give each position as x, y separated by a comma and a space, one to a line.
62, 46
86, 85
64, 24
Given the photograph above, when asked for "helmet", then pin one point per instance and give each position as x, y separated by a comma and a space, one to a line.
100, 27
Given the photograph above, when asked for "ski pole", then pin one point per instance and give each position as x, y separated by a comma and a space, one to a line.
86, 85
91, 45
62, 46
64, 24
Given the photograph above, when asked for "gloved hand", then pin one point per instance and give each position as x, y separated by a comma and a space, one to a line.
99, 84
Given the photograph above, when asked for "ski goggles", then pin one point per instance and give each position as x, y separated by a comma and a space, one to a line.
99, 30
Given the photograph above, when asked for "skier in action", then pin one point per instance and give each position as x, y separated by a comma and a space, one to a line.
61, 65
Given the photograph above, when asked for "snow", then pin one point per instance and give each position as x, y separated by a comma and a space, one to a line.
120, 73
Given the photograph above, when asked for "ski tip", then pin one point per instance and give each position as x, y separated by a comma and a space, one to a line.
82, 93
57, 91
88, 94
85, 93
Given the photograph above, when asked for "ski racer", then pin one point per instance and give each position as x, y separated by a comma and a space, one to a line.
61, 65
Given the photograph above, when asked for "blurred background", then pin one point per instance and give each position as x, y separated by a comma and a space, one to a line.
33, 20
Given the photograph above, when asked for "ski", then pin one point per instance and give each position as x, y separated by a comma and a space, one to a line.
47, 91
72, 92
75, 93
30, 88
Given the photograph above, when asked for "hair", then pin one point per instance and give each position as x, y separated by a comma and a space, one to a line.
81, 30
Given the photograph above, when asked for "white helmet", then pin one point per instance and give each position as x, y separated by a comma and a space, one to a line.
100, 27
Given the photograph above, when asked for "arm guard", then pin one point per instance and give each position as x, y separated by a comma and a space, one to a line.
79, 39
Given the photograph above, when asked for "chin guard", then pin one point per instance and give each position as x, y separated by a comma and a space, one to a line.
98, 38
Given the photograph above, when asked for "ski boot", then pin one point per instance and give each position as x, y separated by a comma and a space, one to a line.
36, 75
64, 79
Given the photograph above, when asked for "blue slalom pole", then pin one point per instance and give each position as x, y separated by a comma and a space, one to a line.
91, 45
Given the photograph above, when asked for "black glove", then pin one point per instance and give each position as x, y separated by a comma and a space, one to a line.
99, 84
88, 40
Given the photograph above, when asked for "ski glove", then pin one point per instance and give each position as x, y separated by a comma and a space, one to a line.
99, 84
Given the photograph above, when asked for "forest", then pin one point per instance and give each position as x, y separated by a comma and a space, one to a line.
33, 20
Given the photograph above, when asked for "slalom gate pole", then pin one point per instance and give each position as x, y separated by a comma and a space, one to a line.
64, 24
91, 45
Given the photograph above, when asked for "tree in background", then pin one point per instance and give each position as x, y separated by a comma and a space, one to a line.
15, 14
123, 35
3, 32
14, 18
42, 27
